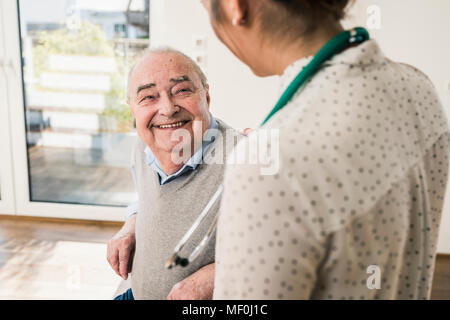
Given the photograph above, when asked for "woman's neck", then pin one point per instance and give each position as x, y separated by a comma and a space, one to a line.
286, 53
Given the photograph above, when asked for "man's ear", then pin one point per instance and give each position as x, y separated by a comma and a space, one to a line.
208, 97
131, 108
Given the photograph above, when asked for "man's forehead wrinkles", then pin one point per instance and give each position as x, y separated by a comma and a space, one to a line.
159, 82
174, 80
163, 72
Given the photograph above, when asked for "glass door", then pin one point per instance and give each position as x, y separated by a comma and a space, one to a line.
73, 132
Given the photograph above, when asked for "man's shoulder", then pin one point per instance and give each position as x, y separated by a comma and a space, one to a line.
138, 151
139, 145
225, 140
226, 129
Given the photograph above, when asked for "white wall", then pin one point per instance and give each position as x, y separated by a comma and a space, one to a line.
416, 32
412, 31
237, 96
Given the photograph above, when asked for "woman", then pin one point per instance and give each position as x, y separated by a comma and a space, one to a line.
354, 211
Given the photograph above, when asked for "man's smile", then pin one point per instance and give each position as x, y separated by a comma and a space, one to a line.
171, 125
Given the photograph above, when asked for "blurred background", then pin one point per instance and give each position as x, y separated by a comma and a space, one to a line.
66, 133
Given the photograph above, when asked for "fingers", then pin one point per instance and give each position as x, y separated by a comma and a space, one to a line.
130, 261
124, 257
170, 296
120, 252
177, 292
247, 131
197, 286
112, 256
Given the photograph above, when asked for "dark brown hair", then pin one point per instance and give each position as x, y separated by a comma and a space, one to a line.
294, 17
334, 9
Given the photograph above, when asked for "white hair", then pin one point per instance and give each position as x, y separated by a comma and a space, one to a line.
166, 49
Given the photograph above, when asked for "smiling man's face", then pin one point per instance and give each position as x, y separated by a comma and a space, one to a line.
166, 94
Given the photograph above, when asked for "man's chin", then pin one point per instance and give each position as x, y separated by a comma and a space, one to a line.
173, 147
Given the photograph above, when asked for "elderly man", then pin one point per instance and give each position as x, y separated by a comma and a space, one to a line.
169, 97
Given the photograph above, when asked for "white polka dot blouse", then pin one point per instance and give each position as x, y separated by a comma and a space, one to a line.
353, 211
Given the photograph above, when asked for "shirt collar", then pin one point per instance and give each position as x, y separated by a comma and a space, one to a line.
292, 71
363, 55
192, 163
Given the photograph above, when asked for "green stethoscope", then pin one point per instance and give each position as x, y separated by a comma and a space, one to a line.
331, 48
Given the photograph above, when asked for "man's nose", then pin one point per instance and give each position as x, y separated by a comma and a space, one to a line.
167, 107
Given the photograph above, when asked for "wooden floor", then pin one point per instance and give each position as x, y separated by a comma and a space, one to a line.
55, 260
50, 259
441, 280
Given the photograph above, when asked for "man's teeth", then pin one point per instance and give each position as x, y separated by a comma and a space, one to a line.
173, 125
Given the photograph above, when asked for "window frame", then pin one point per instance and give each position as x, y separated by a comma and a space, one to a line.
7, 203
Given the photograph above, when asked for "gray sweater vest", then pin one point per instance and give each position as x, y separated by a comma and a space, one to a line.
165, 214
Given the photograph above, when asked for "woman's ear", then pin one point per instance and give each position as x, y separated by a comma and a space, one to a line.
236, 10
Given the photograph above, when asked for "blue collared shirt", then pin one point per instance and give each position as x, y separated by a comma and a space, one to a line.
190, 165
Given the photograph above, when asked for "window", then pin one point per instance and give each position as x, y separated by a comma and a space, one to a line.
79, 130
67, 133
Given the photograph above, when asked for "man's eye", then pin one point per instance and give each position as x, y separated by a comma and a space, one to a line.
183, 90
149, 98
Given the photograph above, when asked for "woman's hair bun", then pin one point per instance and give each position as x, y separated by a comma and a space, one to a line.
318, 8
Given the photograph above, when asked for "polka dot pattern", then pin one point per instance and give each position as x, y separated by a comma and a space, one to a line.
363, 170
